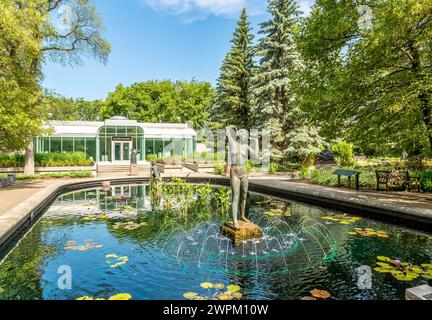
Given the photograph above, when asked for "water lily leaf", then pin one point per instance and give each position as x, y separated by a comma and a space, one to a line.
427, 276
224, 297
384, 265
206, 285
236, 295
309, 298
352, 233
219, 286
120, 296
85, 298
382, 270
427, 265
383, 258
233, 288
190, 295
200, 298
112, 255
321, 294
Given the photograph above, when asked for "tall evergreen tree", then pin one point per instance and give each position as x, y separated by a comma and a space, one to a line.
233, 104
274, 101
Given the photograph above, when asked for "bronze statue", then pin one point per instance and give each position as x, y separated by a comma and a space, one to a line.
239, 177
155, 176
133, 156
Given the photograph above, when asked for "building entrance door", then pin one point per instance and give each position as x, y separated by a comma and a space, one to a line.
121, 151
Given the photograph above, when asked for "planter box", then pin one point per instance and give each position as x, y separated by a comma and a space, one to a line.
169, 169
200, 167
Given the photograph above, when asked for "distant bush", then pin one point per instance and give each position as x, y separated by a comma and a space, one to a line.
325, 177
11, 160
425, 179
57, 159
343, 152
219, 169
274, 167
68, 159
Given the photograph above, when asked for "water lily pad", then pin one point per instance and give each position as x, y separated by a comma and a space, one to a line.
383, 258
85, 298
207, 285
384, 265
309, 298
190, 295
236, 295
321, 294
219, 286
224, 297
233, 288
116, 261
120, 296
382, 270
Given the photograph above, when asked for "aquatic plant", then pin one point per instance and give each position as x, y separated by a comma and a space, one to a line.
277, 212
368, 232
115, 260
222, 197
128, 225
118, 296
215, 292
403, 271
320, 294
342, 218
72, 245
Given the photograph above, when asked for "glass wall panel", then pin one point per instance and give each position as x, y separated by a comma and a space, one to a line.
55, 144
45, 145
79, 144
168, 148
121, 131
67, 145
91, 148
103, 149
149, 149
158, 147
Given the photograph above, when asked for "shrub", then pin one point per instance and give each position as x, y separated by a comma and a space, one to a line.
249, 166
11, 160
274, 167
425, 179
80, 174
343, 152
218, 169
58, 159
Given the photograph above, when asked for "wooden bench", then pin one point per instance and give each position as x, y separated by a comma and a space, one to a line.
349, 174
8, 181
400, 178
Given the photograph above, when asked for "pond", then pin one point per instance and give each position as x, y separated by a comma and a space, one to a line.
142, 243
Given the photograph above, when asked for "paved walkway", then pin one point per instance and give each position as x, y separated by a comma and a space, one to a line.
11, 196
401, 198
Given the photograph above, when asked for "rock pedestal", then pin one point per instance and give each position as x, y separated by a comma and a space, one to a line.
134, 170
247, 231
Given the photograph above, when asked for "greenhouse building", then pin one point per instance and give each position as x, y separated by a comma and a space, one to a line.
111, 141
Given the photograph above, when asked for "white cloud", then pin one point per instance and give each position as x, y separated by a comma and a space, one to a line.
192, 10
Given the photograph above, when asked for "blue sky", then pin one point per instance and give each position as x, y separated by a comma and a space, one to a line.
157, 40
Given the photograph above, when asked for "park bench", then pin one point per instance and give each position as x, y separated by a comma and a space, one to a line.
349, 174
400, 178
8, 181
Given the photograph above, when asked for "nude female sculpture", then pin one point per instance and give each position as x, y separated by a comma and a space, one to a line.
238, 142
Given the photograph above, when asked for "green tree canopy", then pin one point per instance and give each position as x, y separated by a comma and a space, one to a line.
234, 92
275, 103
30, 36
368, 75
161, 101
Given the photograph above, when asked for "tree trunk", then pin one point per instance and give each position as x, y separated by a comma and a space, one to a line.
29, 167
427, 115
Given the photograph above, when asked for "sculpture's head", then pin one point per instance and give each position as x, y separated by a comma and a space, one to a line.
242, 135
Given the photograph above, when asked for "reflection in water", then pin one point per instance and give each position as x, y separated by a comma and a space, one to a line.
164, 247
